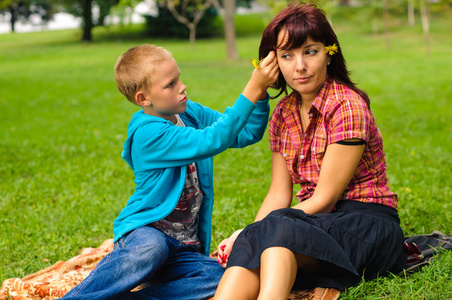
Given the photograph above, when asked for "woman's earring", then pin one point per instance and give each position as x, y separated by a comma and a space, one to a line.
328, 63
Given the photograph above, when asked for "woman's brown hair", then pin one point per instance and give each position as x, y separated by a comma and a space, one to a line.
300, 22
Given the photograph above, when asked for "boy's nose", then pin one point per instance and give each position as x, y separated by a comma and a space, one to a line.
183, 88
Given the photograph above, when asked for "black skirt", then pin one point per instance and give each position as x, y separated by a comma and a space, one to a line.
357, 240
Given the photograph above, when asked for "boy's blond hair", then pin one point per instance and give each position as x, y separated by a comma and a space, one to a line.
134, 68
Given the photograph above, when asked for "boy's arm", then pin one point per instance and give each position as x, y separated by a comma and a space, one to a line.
163, 145
260, 80
254, 129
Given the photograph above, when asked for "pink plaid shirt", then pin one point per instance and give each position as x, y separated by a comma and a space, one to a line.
337, 113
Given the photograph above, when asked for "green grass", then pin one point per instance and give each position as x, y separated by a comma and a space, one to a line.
63, 125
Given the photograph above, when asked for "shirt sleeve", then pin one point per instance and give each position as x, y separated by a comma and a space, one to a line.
274, 129
350, 120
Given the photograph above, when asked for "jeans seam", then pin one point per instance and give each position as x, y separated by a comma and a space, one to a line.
82, 284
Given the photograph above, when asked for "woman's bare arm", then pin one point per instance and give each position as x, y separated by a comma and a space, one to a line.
338, 166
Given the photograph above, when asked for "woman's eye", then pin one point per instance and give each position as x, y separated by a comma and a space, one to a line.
285, 56
311, 52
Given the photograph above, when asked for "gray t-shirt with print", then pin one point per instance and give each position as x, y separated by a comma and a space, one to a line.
182, 222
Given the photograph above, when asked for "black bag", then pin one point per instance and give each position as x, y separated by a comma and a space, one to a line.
421, 249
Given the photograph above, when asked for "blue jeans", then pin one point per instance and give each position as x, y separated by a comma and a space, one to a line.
169, 269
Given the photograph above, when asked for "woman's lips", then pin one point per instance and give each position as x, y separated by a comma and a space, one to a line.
302, 79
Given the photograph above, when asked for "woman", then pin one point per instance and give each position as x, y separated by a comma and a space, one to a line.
323, 136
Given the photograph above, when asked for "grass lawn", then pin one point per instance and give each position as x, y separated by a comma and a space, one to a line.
63, 124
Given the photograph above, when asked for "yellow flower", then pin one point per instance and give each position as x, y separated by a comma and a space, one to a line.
256, 63
331, 49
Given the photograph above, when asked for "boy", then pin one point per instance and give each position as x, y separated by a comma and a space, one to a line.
162, 236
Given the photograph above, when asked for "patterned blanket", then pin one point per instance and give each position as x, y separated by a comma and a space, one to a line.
55, 281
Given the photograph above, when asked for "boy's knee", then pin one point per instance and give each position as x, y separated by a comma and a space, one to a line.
146, 244
212, 270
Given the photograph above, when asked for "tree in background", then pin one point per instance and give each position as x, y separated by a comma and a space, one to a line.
165, 25
188, 12
106, 5
227, 6
425, 18
192, 13
23, 10
124, 9
84, 9
229, 26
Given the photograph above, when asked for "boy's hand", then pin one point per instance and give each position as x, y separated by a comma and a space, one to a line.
225, 248
262, 78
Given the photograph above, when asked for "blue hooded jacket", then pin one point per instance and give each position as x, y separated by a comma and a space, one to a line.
158, 152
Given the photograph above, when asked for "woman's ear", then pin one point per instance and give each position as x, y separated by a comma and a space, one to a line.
141, 100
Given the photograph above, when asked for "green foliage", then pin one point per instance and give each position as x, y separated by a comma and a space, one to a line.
63, 124
251, 24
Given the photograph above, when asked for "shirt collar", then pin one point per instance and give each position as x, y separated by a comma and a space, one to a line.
320, 101
292, 101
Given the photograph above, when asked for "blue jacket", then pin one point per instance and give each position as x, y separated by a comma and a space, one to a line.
158, 152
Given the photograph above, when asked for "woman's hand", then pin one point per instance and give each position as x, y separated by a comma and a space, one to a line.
225, 248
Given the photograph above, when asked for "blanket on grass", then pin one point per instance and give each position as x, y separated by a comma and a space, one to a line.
55, 281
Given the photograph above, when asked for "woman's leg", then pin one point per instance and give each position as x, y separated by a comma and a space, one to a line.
279, 267
278, 272
238, 283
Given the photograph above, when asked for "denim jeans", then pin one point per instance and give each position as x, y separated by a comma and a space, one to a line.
167, 267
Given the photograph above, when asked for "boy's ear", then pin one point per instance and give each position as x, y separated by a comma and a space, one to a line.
141, 100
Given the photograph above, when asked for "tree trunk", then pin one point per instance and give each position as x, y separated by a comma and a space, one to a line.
386, 23
411, 19
374, 19
229, 26
425, 12
229, 29
12, 11
87, 21
192, 37
374, 25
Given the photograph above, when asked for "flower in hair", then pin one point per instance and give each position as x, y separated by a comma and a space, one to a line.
256, 63
331, 49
